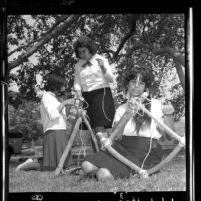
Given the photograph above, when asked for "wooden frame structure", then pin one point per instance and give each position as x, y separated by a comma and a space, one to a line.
107, 142
80, 116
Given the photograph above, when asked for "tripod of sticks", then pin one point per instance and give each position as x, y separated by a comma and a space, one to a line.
81, 116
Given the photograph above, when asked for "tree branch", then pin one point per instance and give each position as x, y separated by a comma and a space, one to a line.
177, 56
181, 75
108, 52
132, 19
60, 20
23, 46
47, 37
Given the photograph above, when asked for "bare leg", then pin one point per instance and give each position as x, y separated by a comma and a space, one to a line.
89, 168
104, 174
29, 164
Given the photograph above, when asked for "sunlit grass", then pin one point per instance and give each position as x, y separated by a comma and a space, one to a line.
171, 178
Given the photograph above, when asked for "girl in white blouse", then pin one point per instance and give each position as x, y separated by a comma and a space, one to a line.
138, 133
53, 117
93, 76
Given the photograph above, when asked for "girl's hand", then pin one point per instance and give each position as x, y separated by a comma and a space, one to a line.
167, 109
131, 106
101, 64
78, 95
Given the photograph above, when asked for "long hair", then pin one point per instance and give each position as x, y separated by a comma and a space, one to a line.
54, 82
85, 42
141, 118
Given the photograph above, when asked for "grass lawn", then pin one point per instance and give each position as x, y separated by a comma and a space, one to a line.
171, 178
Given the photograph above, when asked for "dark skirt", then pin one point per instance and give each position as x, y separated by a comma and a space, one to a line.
100, 110
54, 144
135, 149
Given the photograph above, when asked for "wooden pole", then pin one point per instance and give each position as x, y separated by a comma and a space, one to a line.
90, 130
166, 160
121, 124
68, 147
167, 129
106, 143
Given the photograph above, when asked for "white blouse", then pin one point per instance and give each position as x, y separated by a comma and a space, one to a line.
91, 77
151, 131
50, 116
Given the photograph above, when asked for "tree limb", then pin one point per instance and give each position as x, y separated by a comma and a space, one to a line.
46, 38
132, 24
60, 20
181, 75
108, 52
177, 56
23, 46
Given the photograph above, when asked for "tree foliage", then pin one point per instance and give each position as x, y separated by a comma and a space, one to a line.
26, 120
38, 44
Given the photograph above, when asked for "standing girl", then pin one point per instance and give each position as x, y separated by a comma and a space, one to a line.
92, 78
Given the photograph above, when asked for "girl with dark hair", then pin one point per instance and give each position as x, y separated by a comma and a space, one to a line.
93, 76
140, 136
53, 118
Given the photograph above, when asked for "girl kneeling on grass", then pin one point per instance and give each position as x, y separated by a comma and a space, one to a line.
136, 135
55, 136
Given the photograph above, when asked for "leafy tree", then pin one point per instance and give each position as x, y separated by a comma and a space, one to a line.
43, 43
26, 120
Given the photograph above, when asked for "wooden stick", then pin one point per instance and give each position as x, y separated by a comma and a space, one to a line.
68, 147
167, 129
121, 124
166, 160
123, 159
106, 143
90, 130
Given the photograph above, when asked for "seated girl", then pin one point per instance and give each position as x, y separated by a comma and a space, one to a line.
140, 130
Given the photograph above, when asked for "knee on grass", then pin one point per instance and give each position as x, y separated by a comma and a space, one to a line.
88, 167
104, 174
